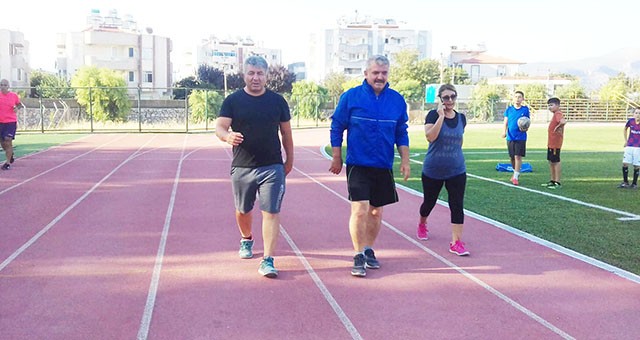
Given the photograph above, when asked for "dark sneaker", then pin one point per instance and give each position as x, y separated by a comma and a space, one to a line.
556, 185
633, 186
266, 267
622, 185
358, 266
246, 249
548, 184
6, 166
370, 260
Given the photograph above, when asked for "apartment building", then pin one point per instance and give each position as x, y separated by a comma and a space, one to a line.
480, 65
117, 44
14, 58
346, 48
228, 54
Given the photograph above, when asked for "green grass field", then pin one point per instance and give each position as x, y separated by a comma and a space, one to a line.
591, 169
28, 143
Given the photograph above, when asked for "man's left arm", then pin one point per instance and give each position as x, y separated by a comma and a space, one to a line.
405, 168
287, 145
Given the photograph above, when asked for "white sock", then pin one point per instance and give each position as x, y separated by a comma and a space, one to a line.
516, 174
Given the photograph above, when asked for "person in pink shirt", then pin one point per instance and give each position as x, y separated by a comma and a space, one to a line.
9, 104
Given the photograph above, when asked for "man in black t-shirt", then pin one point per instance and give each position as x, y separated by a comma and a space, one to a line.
255, 115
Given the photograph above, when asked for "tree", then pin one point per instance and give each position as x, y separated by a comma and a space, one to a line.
204, 104
533, 91
410, 89
573, 90
351, 83
455, 75
333, 83
408, 67
184, 87
308, 98
103, 92
615, 88
210, 77
48, 85
279, 79
483, 100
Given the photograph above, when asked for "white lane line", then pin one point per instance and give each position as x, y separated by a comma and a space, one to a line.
481, 283
25, 246
325, 291
143, 331
58, 166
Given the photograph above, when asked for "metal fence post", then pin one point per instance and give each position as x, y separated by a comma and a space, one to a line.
90, 109
139, 109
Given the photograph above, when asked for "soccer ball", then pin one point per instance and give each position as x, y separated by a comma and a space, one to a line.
524, 123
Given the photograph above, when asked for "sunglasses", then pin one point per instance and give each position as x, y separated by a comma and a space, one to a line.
451, 97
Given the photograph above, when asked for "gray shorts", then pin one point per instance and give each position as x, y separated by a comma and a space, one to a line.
265, 182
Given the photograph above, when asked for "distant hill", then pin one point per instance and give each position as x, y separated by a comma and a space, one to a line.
593, 72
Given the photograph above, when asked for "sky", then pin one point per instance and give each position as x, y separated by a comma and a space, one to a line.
524, 30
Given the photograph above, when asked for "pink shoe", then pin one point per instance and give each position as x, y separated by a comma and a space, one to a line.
514, 181
423, 231
458, 248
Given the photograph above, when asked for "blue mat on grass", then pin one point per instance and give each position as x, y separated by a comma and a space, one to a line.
506, 167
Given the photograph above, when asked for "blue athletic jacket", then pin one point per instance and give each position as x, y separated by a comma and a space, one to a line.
374, 125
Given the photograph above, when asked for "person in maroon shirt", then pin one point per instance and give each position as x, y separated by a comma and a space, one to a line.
9, 104
631, 151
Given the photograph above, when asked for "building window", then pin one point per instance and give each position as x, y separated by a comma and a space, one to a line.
132, 77
131, 54
502, 70
148, 77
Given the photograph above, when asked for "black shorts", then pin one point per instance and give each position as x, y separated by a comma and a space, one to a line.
375, 185
553, 155
517, 148
8, 130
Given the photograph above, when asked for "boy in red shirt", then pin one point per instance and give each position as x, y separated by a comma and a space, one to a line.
555, 133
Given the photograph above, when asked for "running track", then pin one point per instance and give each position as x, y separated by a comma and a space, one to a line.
133, 236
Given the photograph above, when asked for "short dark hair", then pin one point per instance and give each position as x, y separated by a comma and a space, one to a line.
520, 92
553, 100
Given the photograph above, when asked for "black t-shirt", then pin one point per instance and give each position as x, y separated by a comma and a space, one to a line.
432, 116
258, 119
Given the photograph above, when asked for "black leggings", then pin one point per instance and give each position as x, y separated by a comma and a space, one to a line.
455, 189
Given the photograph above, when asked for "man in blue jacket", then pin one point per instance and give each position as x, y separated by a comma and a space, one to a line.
375, 118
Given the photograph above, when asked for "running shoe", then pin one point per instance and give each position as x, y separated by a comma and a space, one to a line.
358, 266
266, 267
548, 184
423, 232
621, 186
514, 181
6, 166
246, 249
370, 260
458, 248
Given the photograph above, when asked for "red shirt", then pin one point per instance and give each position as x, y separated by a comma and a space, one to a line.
8, 102
554, 141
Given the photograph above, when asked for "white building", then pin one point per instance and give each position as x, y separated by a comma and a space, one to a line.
117, 44
14, 58
480, 65
346, 48
229, 54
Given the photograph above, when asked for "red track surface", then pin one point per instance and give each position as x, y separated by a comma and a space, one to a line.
133, 236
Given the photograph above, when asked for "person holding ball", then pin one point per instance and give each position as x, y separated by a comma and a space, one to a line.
516, 139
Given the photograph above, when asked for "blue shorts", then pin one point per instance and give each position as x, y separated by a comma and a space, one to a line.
8, 130
265, 182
